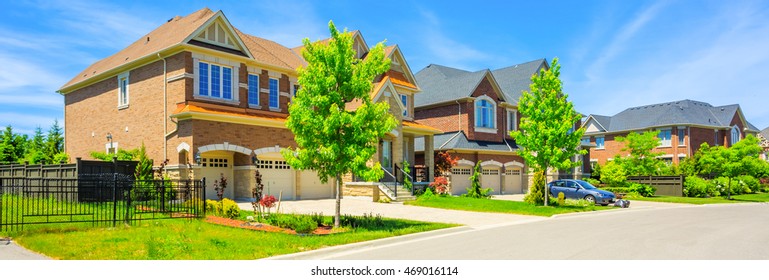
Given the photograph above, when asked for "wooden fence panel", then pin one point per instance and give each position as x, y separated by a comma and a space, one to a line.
666, 185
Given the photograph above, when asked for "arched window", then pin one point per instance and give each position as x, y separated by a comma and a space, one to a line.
485, 113
736, 136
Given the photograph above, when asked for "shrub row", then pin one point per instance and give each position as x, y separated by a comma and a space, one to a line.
224, 208
698, 187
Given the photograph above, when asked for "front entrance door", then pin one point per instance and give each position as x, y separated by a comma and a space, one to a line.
387, 160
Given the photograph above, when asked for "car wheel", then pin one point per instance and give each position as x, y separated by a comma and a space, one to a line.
590, 198
604, 204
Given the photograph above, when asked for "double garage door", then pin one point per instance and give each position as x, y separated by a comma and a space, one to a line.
509, 183
280, 179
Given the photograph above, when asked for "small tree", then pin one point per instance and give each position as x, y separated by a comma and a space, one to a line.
739, 159
545, 136
641, 160
443, 163
54, 142
613, 174
536, 193
35, 152
330, 139
220, 185
257, 193
475, 190
406, 177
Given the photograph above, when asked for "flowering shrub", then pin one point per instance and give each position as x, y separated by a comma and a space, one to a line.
440, 185
267, 201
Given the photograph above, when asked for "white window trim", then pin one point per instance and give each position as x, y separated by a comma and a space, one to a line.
662, 141
258, 104
731, 134
596, 143
120, 104
269, 93
234, 80
492, 130
513, 122
678, 135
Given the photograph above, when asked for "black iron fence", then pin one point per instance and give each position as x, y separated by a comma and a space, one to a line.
96, 200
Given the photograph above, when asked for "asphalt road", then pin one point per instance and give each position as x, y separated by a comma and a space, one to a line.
709, 232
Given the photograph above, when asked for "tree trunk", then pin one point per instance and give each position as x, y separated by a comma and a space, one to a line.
546, 192
337, 214
729, 189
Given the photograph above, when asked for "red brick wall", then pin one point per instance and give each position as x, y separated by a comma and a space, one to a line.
485, 88
446, 117
249, 136
93, 110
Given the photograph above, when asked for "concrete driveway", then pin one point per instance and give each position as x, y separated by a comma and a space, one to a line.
363, 205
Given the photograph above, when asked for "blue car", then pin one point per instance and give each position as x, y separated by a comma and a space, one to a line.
578, 189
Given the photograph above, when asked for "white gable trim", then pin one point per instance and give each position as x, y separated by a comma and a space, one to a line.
388, 87
183, 147
225, 23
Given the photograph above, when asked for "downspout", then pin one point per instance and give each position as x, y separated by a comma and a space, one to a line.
165, 109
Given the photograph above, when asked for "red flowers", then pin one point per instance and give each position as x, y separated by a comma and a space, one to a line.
267, 201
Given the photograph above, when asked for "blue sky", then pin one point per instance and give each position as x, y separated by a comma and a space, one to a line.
614, 54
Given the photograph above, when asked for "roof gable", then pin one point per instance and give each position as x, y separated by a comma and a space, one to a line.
441, 84
218, 31
399, 64
515, 79
170, 34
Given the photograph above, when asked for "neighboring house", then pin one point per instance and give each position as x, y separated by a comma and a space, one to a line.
478, 110
683, 126
198, 91
763, 138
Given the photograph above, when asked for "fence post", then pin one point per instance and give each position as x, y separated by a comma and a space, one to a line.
203, 199
114, 199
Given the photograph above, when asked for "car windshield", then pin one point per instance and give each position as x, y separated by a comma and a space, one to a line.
586, 185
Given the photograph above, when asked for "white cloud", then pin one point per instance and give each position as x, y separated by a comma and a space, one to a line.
279, 21
440, 48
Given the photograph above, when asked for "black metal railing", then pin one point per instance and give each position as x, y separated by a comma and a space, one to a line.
96, 200
390, 180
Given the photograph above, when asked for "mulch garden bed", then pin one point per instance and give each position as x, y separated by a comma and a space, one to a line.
324, 230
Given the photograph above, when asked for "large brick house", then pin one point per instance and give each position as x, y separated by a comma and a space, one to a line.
682, 125
198, 91
478, 110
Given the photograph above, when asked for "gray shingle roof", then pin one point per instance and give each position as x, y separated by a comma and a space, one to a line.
458, 140
515, 79
444, 84
765, 133
681, 112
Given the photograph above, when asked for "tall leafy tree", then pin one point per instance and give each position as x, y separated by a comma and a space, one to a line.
545, 136
739, 159
641, 160
330, 139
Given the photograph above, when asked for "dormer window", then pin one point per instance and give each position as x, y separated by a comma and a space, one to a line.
485, 115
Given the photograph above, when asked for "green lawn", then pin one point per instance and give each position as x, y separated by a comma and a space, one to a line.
760, 197
499, 206
182, 239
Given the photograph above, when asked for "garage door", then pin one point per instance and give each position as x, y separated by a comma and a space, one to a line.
513, 181
490, 179
214, 165
460, 179
277, 177
312, 188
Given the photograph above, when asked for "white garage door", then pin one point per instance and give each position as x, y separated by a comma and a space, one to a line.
214, 165
490, 179
513, 181
460, 179
312, 188
277, 177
